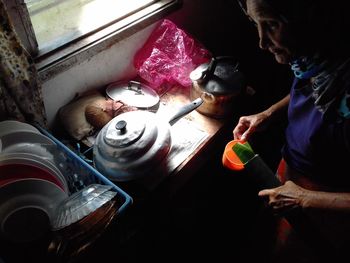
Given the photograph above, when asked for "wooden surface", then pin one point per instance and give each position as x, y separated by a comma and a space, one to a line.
178, 96
170, 101
174, 98
123, 236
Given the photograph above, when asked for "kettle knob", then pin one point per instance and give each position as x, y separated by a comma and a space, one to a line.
121, 126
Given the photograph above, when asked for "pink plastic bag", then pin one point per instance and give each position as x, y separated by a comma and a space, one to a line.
169, 55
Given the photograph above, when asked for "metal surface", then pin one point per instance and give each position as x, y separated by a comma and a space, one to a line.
81, 204
220, 83
144, 148
133, 94
133, 153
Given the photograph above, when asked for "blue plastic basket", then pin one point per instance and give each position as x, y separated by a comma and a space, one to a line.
79, 173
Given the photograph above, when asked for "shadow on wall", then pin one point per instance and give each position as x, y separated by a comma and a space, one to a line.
223, 29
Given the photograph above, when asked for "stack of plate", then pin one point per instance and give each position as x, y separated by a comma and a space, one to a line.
81, 219
31, 185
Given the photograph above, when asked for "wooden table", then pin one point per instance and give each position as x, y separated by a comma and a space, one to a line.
170, 101
148, 203
117, 241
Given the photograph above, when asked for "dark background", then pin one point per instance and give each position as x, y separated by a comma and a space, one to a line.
217, 216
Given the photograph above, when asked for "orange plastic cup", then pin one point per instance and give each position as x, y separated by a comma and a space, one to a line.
229, 158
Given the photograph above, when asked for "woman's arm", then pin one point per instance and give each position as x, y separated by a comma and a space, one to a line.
247, 125
327, 201
290, 195
277, 109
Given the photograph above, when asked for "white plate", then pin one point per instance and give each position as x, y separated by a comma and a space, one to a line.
32, 159
27, 138
10, 126
27, 208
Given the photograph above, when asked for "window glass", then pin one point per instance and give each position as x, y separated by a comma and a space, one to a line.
57, 22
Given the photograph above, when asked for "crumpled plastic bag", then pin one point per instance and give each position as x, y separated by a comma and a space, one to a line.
169, 55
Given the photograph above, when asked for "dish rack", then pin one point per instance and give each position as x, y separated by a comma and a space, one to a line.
80, 174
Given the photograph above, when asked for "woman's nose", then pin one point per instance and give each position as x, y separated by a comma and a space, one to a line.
263, 39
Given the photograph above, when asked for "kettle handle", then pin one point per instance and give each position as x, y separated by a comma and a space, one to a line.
185, 110
209, 72
211, 69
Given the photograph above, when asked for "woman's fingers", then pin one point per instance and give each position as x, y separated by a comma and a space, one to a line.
265, 192
242, 128
280, 202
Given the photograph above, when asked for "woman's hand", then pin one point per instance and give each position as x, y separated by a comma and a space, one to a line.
247, 125
284, 198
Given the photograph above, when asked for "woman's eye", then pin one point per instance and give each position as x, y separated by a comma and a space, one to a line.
272, 25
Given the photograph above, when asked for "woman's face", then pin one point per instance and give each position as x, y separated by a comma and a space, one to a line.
273, 31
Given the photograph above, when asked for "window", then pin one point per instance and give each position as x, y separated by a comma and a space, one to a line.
52, 30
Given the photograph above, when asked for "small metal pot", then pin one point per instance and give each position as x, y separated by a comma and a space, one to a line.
132, 144
218, 83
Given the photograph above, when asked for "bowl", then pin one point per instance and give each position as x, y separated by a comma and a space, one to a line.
229, 158
18, 171
27, 208
20, 159
11, 126
24, 141
80, 204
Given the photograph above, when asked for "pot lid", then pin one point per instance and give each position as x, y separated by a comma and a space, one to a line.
134, 94
129, 129
121, 133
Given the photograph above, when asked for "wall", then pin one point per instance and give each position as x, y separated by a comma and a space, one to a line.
219, 25
110, 65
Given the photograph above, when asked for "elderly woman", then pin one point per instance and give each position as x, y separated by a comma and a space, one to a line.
311, 37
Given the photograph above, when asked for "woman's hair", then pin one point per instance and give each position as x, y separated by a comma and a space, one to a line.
318, 25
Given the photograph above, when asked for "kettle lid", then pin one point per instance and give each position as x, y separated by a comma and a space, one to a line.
122, 132
220, 76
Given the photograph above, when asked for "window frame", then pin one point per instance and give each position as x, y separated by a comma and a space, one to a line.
70, 54
20, 19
